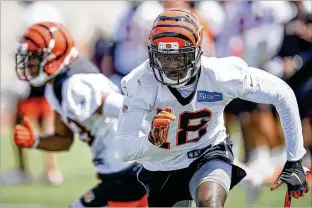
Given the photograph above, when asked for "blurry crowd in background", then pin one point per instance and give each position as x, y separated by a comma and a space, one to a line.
275, 36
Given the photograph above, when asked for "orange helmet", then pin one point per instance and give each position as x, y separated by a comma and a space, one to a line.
50, 45
175, 47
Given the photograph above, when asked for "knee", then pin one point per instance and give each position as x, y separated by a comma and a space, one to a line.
210, 194
210, 200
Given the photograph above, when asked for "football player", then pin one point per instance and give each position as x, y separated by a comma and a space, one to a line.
86, 103
187, 153
33, 105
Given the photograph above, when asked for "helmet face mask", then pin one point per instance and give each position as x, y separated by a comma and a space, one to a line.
175, 47
45, 48
174, 67
28, 65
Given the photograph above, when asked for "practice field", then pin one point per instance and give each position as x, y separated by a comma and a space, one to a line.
79, 177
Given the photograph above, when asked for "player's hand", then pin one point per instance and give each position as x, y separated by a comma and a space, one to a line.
160, 127
24, 134
294, 175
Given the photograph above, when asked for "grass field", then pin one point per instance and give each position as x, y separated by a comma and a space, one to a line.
79, 177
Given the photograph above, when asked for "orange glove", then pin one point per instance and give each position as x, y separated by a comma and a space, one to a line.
160, 127
24, 135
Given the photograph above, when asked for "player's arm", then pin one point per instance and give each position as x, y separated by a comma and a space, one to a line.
85, 97
262, 87
111, 104
255, 85
61, 140
128, 144
24, 136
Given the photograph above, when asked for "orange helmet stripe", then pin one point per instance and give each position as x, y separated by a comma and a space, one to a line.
34, 40
43, 25
66, 43
180, 33
183, 30
33, 29
27, 39
42, 33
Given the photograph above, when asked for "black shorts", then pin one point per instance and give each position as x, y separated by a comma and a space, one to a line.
304, 99
238, 106
165, 188
305, 105
121, 187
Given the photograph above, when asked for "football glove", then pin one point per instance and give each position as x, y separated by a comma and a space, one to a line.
160, 127
294, 176
24, 135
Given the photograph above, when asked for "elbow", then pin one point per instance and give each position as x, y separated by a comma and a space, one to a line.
285, 95
121, 150
123, 157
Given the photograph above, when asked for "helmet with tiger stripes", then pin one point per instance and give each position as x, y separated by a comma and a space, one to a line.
175, 47
43, 51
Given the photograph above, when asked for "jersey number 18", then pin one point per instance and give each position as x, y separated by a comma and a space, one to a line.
185, 126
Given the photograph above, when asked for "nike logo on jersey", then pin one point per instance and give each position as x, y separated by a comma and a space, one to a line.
294, 174
205, 96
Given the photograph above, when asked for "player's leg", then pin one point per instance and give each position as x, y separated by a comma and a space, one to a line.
21, 110
120, 189
93, 198
20, 151
52, 173
257, 153
166, 188
142, 202
270, 127
19, 175
210, 184
307, 135
267, 130
126, 190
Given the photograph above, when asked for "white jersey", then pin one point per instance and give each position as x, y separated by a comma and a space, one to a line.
81, 97
199, 111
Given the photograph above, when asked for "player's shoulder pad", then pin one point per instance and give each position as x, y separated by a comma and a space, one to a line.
226, 74
81, 96
225, 69
141, 85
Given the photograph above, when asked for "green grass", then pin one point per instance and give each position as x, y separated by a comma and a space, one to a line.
79, 177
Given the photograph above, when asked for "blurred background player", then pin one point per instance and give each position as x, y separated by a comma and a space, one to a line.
86, 104
33, 104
